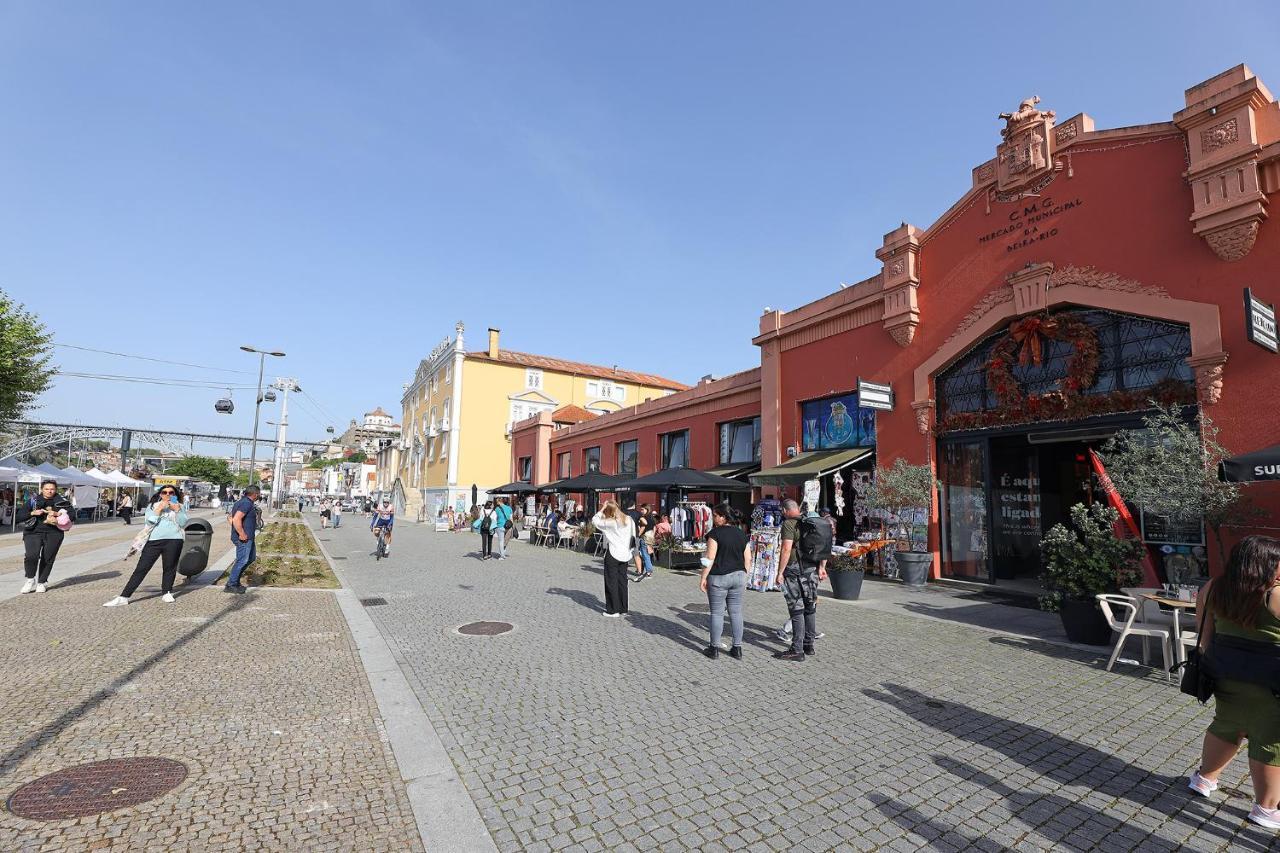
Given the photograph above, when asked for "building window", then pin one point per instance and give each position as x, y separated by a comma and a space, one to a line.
431, 449
444, 447
525, 469
591, 459
448, 373
740, 441
564, 465
533, 378
448, 406
628, 454
675, 449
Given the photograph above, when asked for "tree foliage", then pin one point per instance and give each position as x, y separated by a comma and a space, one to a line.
1087, 558
25, 351
901, 490
1170, 468
205, 468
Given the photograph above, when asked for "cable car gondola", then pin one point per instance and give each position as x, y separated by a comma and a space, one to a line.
225, 406
269, 395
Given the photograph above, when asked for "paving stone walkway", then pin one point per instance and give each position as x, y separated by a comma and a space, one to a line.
907, 732
262, 696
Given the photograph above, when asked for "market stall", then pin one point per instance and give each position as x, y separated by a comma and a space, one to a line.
690, 518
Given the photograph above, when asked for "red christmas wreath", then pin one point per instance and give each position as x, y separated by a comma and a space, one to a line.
1025, 345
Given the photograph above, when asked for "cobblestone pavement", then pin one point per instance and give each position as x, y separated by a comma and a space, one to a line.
586, 733
262, 696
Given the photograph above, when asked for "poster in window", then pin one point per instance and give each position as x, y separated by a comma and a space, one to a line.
835, 423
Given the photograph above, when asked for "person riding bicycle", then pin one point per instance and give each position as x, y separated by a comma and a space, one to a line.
384, 517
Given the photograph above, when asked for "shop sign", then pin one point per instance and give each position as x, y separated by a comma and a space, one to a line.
1260, 321
836, 423
873, 395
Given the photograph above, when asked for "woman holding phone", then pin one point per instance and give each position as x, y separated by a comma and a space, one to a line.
166, 515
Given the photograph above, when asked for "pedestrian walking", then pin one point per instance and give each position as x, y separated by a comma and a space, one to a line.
244, 526
166, 516
724, 577
619, 533
325, 512
299, 506
125, 508
42, 534
335, 515
502, 527
805, 548
1238, 622
485, 523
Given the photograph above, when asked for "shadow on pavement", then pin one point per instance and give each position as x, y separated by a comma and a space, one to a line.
672, 630
1084, 657
589, 600
51, 730
89, 578
934, 831
996, 617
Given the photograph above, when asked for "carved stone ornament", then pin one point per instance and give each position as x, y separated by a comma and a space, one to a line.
1026, 152
1220, 135
924, 415
903, 335
1233, 242
897, 266
1065, 133
1208, 370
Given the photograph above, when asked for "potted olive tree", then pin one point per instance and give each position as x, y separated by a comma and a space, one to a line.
903, 495
846, 573
1082, 561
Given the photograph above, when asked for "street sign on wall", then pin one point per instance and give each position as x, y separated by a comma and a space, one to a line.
1260, 321
873, 395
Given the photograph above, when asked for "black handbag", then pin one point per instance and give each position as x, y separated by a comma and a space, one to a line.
1196, 680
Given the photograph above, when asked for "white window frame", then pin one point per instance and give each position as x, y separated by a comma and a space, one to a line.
533, 378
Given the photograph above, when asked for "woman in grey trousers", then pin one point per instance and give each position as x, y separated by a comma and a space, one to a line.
724, 577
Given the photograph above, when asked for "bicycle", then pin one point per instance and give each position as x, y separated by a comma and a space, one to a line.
381, 550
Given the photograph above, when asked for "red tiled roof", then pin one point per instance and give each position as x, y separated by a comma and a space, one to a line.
560, 365
572, 415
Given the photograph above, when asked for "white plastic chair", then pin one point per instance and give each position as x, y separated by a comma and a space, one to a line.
1149, 613
1124, 627
566, 536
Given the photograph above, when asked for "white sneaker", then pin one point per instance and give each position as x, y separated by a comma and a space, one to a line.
29, 586
118, 601
168, 598
1270, 818
41, 588
1202, 786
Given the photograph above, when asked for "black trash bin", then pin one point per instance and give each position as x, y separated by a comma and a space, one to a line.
197, 538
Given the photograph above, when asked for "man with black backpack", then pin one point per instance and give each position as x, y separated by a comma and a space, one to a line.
806, 547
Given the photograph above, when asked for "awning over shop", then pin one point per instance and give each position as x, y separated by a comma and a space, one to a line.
1249, 467
548, 488
683, 479
810, 466
516, 488
592, 481
734, 469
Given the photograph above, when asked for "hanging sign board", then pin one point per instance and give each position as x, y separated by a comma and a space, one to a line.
873, 395
1260, 321
812, 493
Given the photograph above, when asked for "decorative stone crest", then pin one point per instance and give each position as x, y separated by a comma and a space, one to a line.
1066, 133
1233, 242
903, 335
1208, 370
1026, 153
1220, 135
924, 415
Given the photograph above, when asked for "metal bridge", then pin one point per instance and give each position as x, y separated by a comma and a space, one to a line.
19, 437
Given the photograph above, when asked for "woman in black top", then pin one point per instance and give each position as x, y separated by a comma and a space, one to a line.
724, 576
43, 538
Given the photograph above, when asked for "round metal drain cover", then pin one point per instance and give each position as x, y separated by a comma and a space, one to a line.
698, 607
90, 789
485, 629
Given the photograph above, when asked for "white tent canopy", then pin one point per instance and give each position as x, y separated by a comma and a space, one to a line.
25, 473
100, 478
51, 470
80, 478
124, 480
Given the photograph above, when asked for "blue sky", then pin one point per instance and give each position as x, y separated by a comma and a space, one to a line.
616, 183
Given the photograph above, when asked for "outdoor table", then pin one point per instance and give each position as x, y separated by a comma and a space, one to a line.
1177, 605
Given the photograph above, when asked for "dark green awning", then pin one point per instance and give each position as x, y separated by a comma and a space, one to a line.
734, 469
809, 466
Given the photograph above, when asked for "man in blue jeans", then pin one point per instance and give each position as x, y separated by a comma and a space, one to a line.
244, 520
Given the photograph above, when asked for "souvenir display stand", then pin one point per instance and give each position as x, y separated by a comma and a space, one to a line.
766, 527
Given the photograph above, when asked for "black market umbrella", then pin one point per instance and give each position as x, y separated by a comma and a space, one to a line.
685, 479
516, 488
548, 488
1250, 467
592, 481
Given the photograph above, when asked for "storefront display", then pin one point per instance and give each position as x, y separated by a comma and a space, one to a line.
766, 527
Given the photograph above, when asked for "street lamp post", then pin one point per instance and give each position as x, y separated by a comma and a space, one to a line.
257, 406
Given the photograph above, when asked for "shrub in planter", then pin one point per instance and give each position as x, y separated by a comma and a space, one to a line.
899, 493
846, 573
1082, 561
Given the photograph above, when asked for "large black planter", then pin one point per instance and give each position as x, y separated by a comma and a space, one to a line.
1084, 623
913, 567
846, 586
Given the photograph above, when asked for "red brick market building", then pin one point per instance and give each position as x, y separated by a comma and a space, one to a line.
1085, 273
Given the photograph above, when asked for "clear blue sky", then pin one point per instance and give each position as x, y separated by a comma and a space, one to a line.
623, 183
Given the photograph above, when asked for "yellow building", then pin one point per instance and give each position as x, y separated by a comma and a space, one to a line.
459, 408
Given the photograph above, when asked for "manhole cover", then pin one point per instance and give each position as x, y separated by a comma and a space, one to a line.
90, 789
373, 602
698, 607
485, 629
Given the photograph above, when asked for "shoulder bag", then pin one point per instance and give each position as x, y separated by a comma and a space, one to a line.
1196, 678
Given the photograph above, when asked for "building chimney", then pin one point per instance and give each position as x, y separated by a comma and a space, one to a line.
493, 342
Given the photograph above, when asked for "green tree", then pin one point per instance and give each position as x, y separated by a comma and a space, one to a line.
25, 347
205, 468
1170, 468
358, 456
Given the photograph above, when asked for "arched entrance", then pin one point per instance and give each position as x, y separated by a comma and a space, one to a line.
1019, 411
